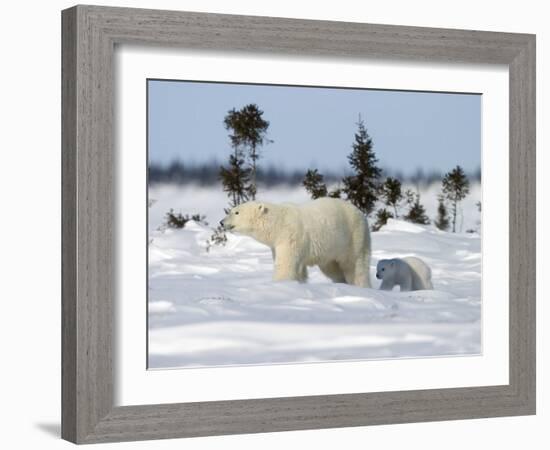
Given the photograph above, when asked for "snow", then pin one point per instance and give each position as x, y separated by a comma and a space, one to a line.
221, 307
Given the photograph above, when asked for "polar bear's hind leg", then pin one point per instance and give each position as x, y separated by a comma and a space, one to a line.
349, 272
361, 274
333, 271
407, 283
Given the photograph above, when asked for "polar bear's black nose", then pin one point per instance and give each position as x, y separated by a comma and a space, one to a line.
221, 222
378, 276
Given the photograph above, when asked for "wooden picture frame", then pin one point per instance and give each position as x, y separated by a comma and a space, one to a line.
90, 34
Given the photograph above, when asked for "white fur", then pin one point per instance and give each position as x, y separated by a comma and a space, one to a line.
327, 232
410, 274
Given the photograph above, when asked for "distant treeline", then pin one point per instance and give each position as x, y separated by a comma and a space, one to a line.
208, 174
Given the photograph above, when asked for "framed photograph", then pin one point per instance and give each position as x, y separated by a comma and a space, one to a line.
278, 224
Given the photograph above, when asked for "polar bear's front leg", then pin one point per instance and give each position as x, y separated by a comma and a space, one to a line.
287, 266
387, 285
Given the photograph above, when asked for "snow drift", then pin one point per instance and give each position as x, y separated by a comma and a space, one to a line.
221, 307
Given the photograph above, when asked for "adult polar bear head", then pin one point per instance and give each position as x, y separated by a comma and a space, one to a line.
250, 219
329, 233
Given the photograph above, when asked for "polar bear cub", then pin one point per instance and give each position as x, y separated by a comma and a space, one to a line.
329, 233
410, 274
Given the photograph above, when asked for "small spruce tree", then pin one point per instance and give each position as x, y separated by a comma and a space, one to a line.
410, 197
175, 220
417, 212
442, 221
218, 237
361, 187
314, 184
335, 193
178, 220
235, 178
248, 131
392, 194
455, 188
382, 216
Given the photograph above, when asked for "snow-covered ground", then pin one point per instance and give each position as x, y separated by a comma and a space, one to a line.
221, 307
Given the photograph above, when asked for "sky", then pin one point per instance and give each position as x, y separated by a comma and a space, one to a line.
313, 127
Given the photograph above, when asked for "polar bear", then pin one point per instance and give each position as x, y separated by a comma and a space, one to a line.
410, 274
327, 232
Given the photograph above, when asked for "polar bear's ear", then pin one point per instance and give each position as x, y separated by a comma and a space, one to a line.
262, 208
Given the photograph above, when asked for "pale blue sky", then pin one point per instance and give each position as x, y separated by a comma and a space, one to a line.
314, 127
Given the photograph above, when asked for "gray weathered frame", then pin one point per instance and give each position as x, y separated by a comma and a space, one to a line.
89, 36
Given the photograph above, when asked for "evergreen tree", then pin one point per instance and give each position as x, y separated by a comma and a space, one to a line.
442, 221
417, 212
335, 193
392, 193
382, 216
455, 188
410, 197
478, 222
314, 184
361, 187
175, 220
235, 179
248, 131
218, 237
178, 220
